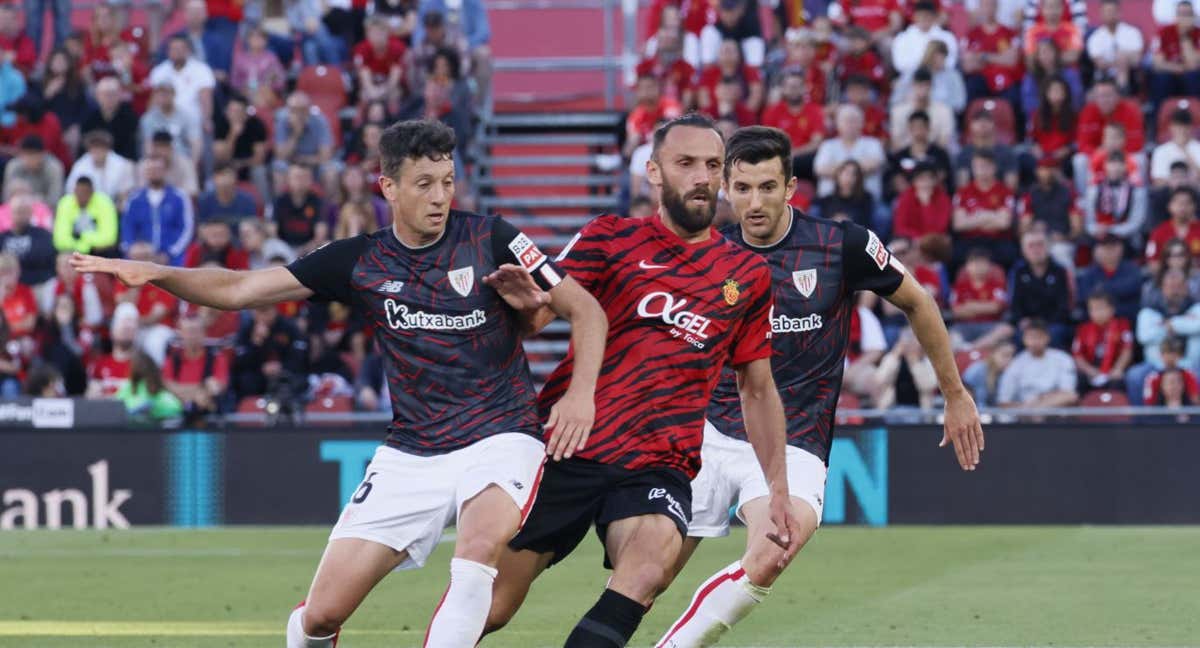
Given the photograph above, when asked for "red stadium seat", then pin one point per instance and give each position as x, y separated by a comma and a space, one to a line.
1006, 121
965, 359
252, 405
1169, 106
1105, 398
322, 83
330, 404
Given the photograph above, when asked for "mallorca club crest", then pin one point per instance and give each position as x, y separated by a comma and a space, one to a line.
805, 281
731, 292
462, 279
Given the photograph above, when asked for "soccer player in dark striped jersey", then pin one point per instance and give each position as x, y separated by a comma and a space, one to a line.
817, 266
465, 442
682, 302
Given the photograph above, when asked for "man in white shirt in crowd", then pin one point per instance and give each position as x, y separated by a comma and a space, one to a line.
850, 144
193, 80
1039, 376
1182, 147
111, 174
908, 48
1115, 47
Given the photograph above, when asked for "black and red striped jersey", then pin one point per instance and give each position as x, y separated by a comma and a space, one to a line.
816, 268
452, 351
677, 313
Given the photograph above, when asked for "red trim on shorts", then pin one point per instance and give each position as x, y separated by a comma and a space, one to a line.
425, 642
533, 491
699, 599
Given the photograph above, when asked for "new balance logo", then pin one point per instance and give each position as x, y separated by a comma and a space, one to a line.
647, 266
391, 287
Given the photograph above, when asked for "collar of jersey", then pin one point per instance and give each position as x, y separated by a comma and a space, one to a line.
777, 244
402, 246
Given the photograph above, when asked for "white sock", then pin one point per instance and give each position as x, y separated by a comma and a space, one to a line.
296, 637
459, 619
718, 604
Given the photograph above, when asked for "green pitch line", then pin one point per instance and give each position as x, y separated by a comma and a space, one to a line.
902, 586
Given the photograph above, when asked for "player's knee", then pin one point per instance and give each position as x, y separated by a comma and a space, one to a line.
483, 547
762, 567
322, 620
649, 579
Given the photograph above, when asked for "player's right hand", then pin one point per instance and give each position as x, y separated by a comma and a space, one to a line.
570, 423
517, 287
130, 273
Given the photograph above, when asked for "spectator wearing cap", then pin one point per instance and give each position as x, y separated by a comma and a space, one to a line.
193, 79
18, 188
160, 215
984, 211
111, 174
908, 48
107, 372
1106, 107
1040, 289
982, 138
1039, 376
978, 301
672, 44
941, 116
1115, 203
1175, 61
991, 57
15, 45
924, 208
802, 120
883, 19
165, 116
302, 136
114, 116
12, 88
1115, 47
1103, 346
920, 151
1050, 202
1056, 27
214, 244
1182, 225
737, 20
1111, 272
225, 202
731, 66
85, 220
318, 46
1181, 147
33, 246
43, 173
849, 143
1172, 313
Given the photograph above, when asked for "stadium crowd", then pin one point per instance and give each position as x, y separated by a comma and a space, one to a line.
239, 140
1033, 171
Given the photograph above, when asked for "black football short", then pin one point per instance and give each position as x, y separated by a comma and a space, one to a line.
576, 493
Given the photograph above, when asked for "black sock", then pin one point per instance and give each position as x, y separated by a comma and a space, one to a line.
609, 624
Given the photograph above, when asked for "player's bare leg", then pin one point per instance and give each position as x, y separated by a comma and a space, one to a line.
517, 571
643, 550
349, 569
485, 523
730, 594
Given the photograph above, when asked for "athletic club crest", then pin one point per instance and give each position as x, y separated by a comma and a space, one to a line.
462, 279
730, 291
806, 281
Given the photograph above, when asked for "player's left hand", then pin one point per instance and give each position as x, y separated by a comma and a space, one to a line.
517, 287
570, 423
963, 429
787, 527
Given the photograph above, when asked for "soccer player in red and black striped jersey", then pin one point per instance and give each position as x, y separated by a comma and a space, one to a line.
816, 267
682, 302
465, 441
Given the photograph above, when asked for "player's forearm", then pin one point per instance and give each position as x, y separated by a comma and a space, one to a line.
930, 329
212, 287
589, 331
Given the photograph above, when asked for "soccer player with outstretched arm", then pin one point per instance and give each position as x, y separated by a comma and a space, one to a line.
465, 443
816, 266
682, 302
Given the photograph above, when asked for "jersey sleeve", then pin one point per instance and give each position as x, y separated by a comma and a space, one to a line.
586, 256
511, 245
753, 336
868, 264
328, 270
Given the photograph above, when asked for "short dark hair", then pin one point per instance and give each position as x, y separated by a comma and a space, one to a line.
181, 38
1181, 116
918, 115
1100, 294
1037, 324
1173, 344
979, 253
452, 59
1106, 79
84, 180
32, 143
1115, 156
1179, 165
984, 154
690, 120
223, 167
412, 140
1187, 191
162, 137
754, 144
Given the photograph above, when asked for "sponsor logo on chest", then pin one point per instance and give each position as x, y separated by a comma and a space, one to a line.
687, 325
401, 317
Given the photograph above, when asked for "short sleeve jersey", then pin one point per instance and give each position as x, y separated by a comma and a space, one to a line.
815, 270
456, 369
677, 313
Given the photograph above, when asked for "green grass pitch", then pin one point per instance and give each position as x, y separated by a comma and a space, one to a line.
900, 586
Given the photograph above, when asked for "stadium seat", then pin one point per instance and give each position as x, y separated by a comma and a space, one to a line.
1002, 112
966, 358
1105, 398
322, 83
1169, 106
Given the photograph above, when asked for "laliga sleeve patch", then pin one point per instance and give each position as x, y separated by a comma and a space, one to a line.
876, 250
527, 253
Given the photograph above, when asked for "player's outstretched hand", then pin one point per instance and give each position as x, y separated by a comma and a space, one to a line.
570, 423
963, 429
131, 273
517, 287
787, 527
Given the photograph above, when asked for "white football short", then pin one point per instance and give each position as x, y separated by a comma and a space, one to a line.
730, 475
406, 500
